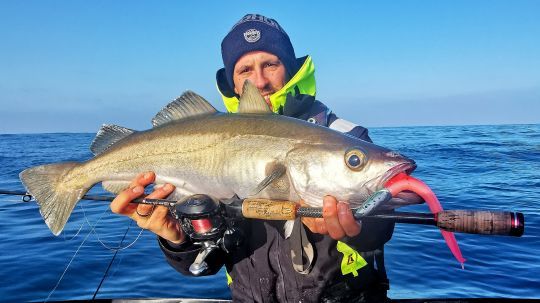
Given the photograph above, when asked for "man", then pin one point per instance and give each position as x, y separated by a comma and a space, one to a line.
261, 269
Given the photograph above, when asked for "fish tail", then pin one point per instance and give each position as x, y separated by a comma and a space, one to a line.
56, 191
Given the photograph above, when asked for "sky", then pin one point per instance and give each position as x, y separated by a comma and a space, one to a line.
70, 66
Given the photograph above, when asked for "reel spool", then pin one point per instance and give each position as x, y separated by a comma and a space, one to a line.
206, 223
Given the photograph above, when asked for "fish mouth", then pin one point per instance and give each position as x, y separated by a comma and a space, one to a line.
406, 167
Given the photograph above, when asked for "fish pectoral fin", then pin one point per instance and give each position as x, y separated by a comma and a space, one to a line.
107, 136
189, 104
276, 171
115, 187
251, 101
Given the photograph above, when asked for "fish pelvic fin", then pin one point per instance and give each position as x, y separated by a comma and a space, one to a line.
55, 196
251, 101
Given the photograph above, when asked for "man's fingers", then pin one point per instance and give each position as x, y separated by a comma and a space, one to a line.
121, 204
143, 179
350, 226
331, 219
316, 225
151, 217
320, 226
154, 217
145, 210
162, 191
160, 212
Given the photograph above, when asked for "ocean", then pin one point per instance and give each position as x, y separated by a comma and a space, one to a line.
494, 167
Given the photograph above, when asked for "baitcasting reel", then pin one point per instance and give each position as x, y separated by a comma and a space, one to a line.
208, 223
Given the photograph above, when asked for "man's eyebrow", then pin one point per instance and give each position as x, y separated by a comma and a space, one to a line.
272, 61
242, 67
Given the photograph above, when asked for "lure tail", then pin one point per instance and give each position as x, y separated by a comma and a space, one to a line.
55, 192
403, 182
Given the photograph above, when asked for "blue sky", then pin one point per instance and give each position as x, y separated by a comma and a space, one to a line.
70, 66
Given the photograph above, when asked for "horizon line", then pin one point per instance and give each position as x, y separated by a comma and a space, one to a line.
370, 127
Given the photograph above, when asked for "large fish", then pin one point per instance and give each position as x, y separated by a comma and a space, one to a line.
253, 153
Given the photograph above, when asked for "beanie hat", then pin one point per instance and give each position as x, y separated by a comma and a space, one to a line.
256, 33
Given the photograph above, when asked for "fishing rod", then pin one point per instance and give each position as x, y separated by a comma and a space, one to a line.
213, 224
484, 222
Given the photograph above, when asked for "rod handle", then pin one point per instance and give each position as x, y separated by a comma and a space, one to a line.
269, 209
482, 222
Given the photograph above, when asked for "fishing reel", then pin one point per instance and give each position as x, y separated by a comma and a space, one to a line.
209, 224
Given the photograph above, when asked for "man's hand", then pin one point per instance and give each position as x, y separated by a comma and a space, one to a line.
154, 218
337, 220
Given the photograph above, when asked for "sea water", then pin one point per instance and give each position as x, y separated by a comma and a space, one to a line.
494, 167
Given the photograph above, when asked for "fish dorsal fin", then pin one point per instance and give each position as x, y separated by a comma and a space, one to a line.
189, 104
251, 101
108, 135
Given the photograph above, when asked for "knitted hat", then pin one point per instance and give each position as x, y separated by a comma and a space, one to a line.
256, 33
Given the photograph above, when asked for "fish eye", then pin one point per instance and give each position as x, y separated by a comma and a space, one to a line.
355, 159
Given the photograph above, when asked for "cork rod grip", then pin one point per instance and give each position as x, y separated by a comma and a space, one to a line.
269, 209
482, 222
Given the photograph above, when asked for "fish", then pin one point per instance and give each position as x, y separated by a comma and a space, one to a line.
253, 153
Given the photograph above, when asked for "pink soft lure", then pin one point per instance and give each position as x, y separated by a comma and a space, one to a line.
403, 182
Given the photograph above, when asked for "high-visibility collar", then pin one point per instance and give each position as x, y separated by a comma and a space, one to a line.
303, 82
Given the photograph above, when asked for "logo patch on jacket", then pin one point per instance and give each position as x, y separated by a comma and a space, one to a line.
352, 261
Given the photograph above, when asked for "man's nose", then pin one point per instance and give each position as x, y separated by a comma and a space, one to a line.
260, 80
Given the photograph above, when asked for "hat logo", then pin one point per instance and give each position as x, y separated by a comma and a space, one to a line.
252, 35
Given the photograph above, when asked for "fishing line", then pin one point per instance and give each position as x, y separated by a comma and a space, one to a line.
14, 201
32, 199
115, 249
93, 230
67, 267
75, 235
73, 258
112, 260
78, 231
25, 197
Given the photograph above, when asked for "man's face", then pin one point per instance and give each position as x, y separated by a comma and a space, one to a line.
263, 69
